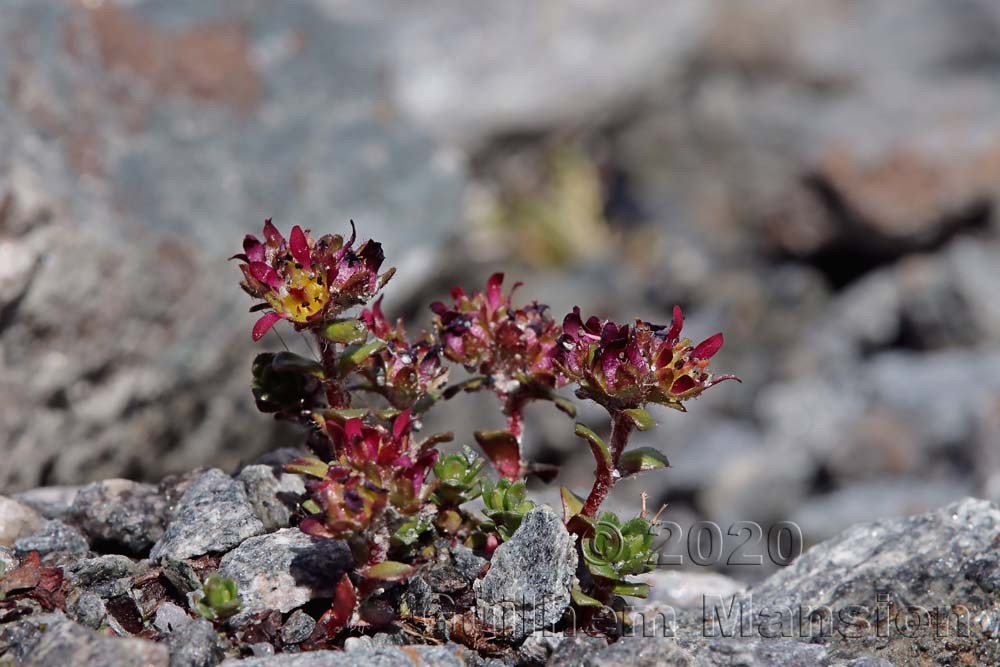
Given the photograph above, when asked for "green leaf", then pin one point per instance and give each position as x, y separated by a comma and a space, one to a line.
572, 503
307, 466
632, 590
642, 420
470, 385
348, 332
599, 569
389, 570
581, 599
345, 414
565, 406
641, 459
311, 506
354, 356
289, 362
598, 446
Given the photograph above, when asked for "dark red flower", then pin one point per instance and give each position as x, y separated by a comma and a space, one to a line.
348, 503
487, 335
402, 372
390, 458
308, 281
627, 366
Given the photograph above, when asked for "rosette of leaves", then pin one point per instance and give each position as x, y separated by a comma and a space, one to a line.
505, 504
458, 479
218, 598
613, 552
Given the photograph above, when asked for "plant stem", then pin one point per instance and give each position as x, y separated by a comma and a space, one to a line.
621, 429
514, 408
336, 396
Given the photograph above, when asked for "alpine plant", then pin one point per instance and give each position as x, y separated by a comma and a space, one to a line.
378, 483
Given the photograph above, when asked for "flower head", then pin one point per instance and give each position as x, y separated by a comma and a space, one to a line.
348, 503
627, 366
486, 334
305, 280
390, 458
401, 371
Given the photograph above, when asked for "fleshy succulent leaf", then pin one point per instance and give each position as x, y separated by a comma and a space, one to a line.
503, 451
597, 445
642, 420
641, 459
389, 570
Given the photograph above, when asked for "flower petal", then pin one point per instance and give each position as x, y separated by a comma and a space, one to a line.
675, 326
494, 291
707, 348
683, 384
271, 234
265, 274
263, 325
300, 248
253, 248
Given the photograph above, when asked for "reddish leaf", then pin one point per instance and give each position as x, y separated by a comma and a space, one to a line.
263, 325
503, 451
44, 584
345, 599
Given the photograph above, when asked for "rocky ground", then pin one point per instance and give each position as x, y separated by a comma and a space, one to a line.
109, 574
818, 180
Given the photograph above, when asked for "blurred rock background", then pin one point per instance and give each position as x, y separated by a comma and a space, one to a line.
817, 179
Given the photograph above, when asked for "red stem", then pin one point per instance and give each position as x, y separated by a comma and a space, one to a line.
514, 409
604, 481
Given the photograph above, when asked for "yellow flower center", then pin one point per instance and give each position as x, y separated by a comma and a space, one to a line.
303, 295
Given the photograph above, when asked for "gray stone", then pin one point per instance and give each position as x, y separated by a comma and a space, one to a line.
298, 627
107, 576
8, 561
125, 199
944, 562
181, 575
170, 617
195, 644
528, 585
259, 649
449, 655
538, 647
63, 642
929, 560
686, 589
284, 570
17, 520
55, 541
469, 75
824, 516
52, 502
419, 598
120, 514
274, 496
87, 609
645, 651
574, 650
212, 516
468, 564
